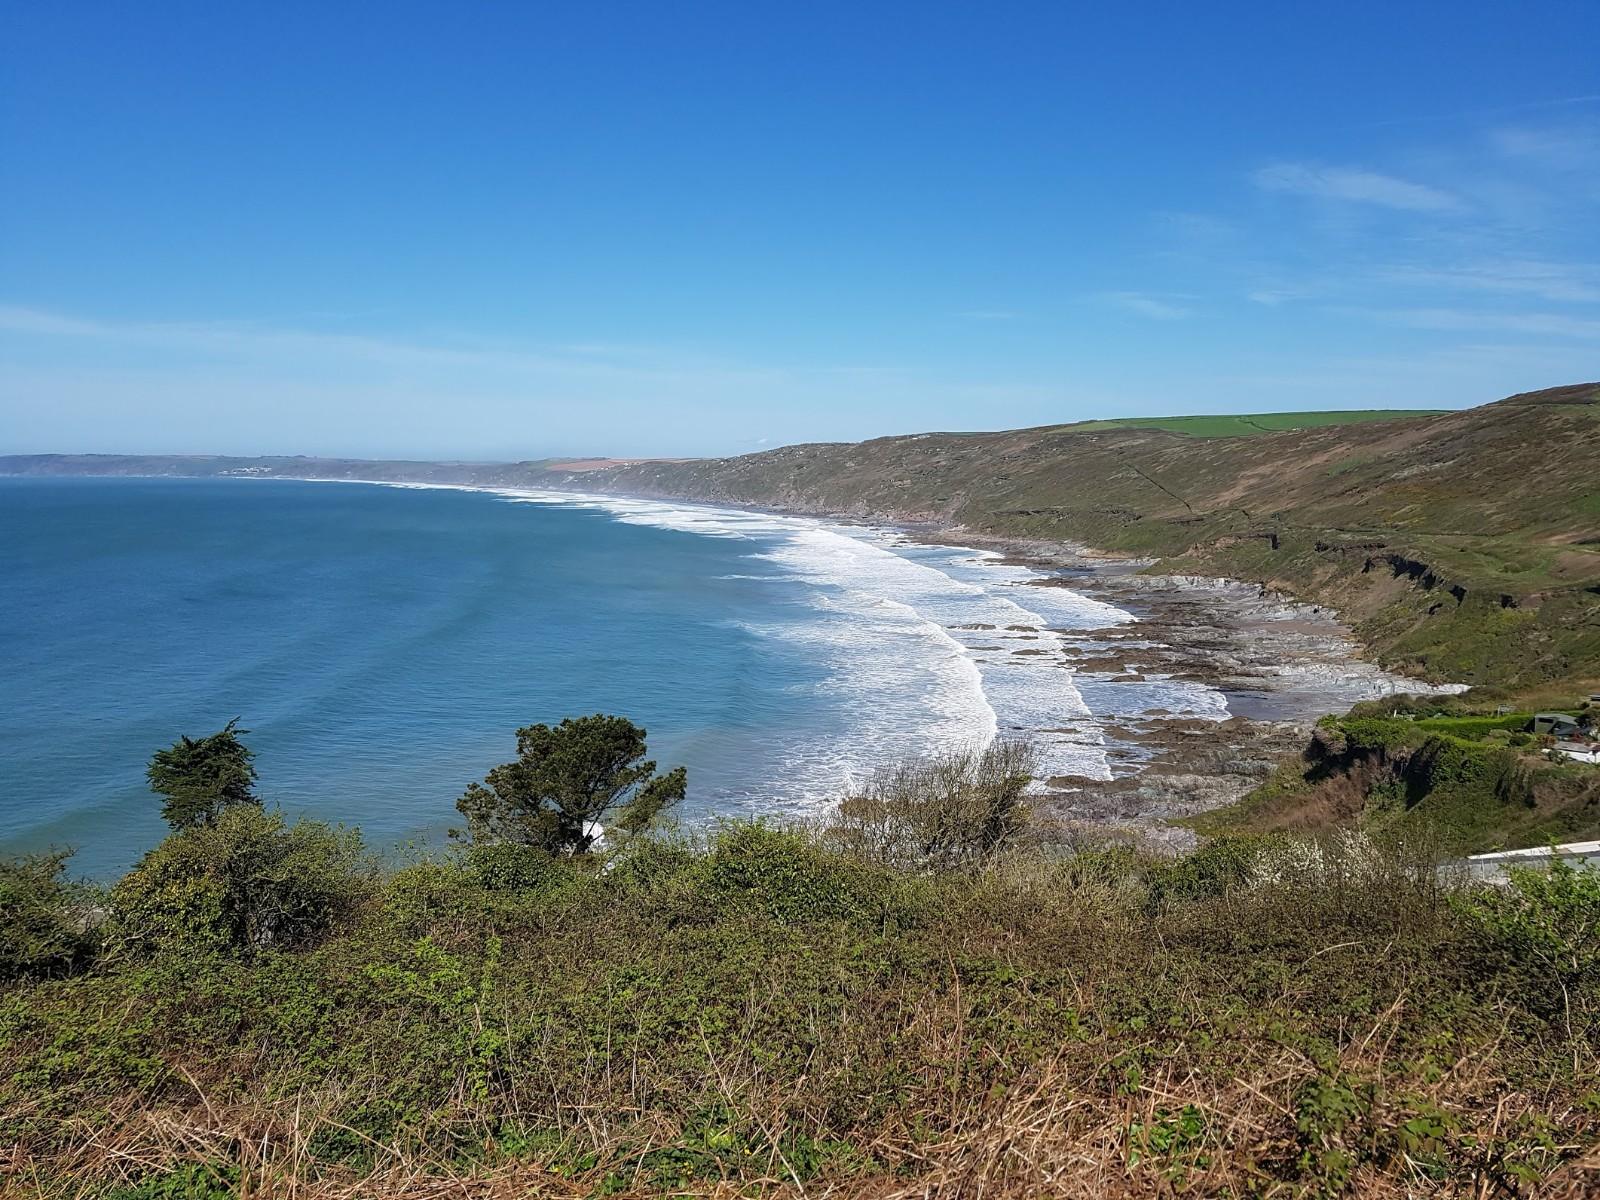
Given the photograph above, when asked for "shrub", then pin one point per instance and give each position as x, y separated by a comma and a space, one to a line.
43, 921
653, 862
512, 867
246, 881
782, 874
945, 813
1378, 735
1546, 926
1215, 869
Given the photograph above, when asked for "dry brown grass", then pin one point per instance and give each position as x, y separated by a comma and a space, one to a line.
1052, 1134
1100, 1026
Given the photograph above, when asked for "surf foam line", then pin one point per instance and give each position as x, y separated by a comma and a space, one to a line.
909, 687
966, 634
987, 644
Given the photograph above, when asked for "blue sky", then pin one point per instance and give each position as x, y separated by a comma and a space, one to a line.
515, 230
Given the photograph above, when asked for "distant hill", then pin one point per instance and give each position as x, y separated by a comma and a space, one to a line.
1249, 424
1461, 544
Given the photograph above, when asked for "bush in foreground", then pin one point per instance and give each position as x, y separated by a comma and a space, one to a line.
44, 921
766, 1014
246, 881
948, 812
918, 998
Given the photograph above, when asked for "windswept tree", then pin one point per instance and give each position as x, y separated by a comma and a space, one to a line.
200, 777
568, 779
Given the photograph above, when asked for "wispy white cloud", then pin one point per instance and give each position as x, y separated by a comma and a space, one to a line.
1155, 307
1503, 110
1540, 324
1559, 282
158, 384
1564, 147
242, 341
1353, 184
1274, 296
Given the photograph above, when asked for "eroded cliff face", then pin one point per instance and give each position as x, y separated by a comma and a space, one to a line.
1386, 774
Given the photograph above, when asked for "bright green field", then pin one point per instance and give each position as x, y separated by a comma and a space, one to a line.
1250, 424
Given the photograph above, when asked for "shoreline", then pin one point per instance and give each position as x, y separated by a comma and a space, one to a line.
1277, 662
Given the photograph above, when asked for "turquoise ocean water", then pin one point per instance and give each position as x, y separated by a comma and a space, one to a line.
382, 644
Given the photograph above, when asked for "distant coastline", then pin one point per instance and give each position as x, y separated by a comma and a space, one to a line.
1275, 664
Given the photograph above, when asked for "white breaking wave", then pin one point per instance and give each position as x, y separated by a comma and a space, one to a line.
935, 646
928, 647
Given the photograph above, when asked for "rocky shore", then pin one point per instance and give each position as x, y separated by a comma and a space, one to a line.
1279, 663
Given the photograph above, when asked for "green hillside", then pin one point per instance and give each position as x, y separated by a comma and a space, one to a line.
1251, 424
1461, 545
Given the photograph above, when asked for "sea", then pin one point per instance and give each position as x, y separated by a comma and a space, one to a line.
382, 643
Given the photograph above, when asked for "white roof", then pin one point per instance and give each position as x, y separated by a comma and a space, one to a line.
1571, 849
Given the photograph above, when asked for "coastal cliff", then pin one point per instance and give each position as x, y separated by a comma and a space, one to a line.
1461, 545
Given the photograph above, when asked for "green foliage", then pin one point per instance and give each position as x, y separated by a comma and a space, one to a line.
1471, 727
1545, 924
455, 994
1423, 763
245, 881
1445, 763
784, 876
190, 1181
43, 922
515, 867
1374, 735
199, 778
1218, 867
821, 1005
1327, 1107
567, 780
765, 1007
1176, 1139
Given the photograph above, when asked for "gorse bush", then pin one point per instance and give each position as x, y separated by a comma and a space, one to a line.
248, 880
44, 921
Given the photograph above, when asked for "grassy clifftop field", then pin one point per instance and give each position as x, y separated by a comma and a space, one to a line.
1461, 545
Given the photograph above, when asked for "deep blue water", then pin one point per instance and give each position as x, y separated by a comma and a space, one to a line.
382, 644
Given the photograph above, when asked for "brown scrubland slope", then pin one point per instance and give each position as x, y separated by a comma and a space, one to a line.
1461, 545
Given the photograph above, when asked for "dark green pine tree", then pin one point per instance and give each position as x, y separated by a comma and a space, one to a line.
568, 778
199, 777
